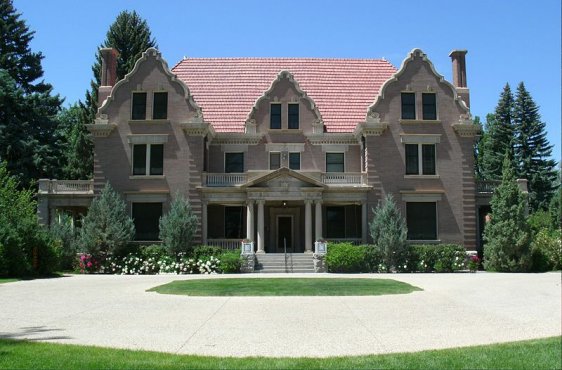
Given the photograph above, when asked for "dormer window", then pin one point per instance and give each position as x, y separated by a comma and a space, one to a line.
293, 116
429, 106
408, 106
138, 111
275, 116
160, 105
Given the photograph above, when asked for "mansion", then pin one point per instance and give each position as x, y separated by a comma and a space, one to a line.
284, 151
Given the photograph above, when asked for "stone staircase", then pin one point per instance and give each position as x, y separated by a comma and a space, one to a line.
275, 262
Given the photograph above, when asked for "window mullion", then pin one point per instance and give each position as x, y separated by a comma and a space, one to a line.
420, 159
148, 159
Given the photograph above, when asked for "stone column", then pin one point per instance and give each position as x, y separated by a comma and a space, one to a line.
261, 248
204, 222
318, 220
307, 226
364, 226
250, 220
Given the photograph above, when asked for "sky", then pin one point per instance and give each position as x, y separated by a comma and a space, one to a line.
508, 41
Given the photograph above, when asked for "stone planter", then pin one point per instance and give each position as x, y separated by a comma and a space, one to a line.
320, 247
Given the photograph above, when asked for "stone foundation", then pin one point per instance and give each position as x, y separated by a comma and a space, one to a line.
319, 261
248, 262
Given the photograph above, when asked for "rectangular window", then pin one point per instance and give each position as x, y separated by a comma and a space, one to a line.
139, 159
139, 106
295, 161
148, 159
429, 106
412, 161
428, 159
335, 162
160, 105
421, 218
275, 116
335, 222
274, 160
293, 116
233, 222
146, 217
234, 162
408, 106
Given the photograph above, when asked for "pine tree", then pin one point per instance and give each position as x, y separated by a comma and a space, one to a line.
27, 107
389, 232
178, 226
507, 234
500, 136
533, 151
107, 228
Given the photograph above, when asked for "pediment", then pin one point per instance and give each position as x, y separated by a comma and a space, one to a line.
284, 178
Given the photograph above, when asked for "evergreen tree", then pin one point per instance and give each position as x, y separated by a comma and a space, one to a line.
533, 151
178, 227
500, 136
75, 143
27, 107
389, 232
555, 210
107, 228
507, 234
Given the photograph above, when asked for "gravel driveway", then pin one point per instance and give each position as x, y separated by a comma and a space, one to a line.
116, 311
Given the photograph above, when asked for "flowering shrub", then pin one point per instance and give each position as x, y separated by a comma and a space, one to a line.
88, 264
473, 263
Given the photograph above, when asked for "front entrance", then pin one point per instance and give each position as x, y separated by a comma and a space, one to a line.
284, 233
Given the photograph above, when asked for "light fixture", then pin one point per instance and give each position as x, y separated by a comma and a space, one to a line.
284, 203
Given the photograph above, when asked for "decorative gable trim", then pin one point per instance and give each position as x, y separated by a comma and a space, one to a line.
152, 53
284, 171
415, 53
283, 75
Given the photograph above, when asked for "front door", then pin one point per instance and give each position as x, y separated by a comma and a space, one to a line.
284, 233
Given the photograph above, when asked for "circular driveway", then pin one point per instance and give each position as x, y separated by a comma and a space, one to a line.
116, 311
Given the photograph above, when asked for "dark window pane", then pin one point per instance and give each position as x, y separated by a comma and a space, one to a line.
234, 162
421, 218
139, 159
408, 106
428, 159
157, 159
334, 162
275, 118
274, 161
335, 222
293, 116
412, 164
160, 109
146, 217
295, 161
233, 222
429, 106
139, 106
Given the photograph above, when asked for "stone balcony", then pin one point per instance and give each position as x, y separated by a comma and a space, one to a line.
79, 187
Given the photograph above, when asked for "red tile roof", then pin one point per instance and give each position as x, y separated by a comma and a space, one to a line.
227, 88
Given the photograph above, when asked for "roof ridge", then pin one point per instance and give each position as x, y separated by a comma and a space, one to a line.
285, 58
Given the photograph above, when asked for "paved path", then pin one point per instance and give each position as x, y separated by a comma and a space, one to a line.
116, 311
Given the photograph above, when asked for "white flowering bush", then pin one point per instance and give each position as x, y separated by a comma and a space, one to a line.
133, 264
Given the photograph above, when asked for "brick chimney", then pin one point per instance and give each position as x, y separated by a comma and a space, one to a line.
459, 74
108, 73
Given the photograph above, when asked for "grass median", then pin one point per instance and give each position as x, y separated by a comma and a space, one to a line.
285, 287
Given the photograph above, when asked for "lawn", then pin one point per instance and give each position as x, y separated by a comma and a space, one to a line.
8, 280
285, 287
531, 354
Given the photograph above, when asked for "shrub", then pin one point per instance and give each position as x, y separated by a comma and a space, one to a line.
156, 251
506, 235
63, 232
206, 251
437, 257
555, 210
374, 258
388, 230
178, 226
546, 251
538, 221
107, 228
230, 262
345, 257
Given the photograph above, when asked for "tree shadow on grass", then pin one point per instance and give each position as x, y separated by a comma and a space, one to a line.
35, 333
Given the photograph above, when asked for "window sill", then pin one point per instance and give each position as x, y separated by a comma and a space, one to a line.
286, 130
427, 177
417, 121
151, 121
147, 177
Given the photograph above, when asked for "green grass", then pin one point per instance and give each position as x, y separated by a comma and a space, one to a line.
531, 354
8, 280
285, 287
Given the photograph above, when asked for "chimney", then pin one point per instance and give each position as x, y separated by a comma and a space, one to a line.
108, 73
459, 74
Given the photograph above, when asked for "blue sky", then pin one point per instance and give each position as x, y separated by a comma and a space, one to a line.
507, 40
